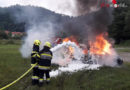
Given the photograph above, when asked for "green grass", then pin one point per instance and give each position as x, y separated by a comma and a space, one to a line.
122, 49
12, 65
10, 41
124, 44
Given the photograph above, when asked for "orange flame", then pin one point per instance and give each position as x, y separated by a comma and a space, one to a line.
101, 46
72, 39
85, 51
71, 49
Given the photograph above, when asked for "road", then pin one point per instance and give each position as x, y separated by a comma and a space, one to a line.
124, 52
125, 56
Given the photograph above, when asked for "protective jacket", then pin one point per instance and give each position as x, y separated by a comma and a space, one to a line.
34, 53
33, 62
44, 58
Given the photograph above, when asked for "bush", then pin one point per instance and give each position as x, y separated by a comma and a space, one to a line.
3, 35
10, 42
125, 43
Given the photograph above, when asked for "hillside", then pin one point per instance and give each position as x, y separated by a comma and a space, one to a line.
18, 18
15, 18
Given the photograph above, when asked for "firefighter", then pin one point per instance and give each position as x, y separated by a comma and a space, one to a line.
34, 61
44, 57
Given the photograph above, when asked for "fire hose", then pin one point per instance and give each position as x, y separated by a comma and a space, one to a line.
53, 49
15, 81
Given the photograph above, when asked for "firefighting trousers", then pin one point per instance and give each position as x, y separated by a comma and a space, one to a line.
35, 69
41, 75
35, 73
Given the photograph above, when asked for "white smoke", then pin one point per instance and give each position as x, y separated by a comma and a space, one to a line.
46, 31
109, 59
65, 7
43, 32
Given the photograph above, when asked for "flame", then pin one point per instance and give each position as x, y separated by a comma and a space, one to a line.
85, 51
101, 46
72, 39
71, 49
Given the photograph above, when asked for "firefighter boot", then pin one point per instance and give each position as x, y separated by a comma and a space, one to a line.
48, 81
34, 82
40, 82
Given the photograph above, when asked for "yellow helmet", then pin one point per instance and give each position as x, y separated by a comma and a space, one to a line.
37, 42
48, 44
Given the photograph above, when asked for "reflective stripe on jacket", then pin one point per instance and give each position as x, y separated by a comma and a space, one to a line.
44, 67
44, 58
34, 53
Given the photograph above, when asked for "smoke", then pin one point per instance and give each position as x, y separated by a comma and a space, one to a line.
45, 25
65, 7
111, 60
107, 59
42, 32
87, 6
39, 24
88, 26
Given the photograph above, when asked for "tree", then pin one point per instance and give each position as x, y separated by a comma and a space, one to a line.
3, 35
126, 32
120, 27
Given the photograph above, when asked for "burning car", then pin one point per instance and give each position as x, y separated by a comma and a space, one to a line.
98, 51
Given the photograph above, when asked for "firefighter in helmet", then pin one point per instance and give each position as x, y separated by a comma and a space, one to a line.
44, 57
34, 61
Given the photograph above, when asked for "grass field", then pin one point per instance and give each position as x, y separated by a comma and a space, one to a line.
12, 65
123, 49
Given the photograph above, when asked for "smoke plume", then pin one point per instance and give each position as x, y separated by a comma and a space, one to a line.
45, 25
65, 7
